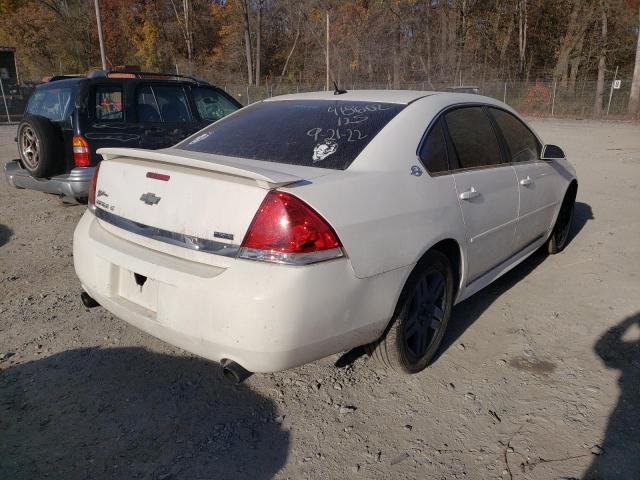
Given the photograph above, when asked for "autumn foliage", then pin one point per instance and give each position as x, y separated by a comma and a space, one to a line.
390, 41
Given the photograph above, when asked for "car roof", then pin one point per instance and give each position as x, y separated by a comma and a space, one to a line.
402, 97
60, 82
438, 100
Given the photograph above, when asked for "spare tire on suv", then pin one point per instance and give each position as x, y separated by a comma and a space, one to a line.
40, 146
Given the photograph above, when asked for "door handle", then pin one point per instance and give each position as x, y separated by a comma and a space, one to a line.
469, 194
526, 181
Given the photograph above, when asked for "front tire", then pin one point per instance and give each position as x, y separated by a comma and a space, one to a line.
421, 317
560, 234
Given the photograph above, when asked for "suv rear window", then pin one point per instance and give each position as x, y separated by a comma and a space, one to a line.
313, 133
54, 103
109, 103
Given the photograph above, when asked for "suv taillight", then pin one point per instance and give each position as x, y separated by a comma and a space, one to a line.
91, 199
81, 155
287, 230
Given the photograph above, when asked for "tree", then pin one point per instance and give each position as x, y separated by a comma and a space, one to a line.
597, 110
247, 39
522, 34
258, 37
183, 21
634, 97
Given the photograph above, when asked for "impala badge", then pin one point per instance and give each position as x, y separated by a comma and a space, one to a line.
149, 198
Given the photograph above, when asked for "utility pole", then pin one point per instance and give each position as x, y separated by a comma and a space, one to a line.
328, 88
6, 108
634, 96
100, 39
615, 77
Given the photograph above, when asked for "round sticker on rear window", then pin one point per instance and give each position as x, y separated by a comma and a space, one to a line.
323, 150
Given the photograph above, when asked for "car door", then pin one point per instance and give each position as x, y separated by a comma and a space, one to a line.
536, 179
164, 114
486, 187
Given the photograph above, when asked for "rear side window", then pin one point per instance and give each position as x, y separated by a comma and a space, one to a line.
314, 133
473, 137
433, 152
109, 103
54, 103
162, 103
211, 104
523, 145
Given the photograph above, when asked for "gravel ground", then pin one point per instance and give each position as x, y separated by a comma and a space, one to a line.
539, 376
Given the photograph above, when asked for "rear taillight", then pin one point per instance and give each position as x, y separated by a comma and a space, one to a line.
91, 200
81, 155
287, 230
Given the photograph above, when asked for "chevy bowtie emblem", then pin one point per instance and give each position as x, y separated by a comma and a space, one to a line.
149, 198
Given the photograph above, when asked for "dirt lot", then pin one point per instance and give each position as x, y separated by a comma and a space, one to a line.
539, 377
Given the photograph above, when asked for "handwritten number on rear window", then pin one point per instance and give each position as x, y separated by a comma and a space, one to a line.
349, 110
333, 134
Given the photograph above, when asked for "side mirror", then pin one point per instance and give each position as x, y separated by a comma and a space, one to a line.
552, 152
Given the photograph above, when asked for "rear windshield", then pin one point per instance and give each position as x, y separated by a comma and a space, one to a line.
54, 103
314, 133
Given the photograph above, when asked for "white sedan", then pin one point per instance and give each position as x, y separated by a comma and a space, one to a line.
309, 224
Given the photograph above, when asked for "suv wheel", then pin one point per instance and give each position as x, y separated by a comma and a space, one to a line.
40, 146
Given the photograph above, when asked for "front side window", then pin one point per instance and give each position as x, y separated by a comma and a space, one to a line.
314, 133
109, 103
473, 137
523, 145
162, 104
433, 152
211, 104
54, 103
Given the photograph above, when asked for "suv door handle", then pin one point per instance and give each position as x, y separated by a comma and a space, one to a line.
526, 181
153, 130
469, 194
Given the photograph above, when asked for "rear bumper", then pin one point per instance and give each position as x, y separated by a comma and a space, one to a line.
74, 184
266, 317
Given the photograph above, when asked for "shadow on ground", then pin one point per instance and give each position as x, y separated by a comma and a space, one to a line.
130, 413
620, 458
468, 311
5, 234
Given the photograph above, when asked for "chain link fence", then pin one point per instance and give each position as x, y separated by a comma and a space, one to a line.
546, 98
13, 100
538, 98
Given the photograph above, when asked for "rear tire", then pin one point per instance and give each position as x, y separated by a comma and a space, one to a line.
560, 234
421, 317
40, 146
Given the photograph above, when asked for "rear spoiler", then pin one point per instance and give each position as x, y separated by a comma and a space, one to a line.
265, 178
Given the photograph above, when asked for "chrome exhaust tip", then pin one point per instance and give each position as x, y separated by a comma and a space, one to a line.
234, 373
88, 301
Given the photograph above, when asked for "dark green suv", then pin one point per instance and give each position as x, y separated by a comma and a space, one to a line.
69, 117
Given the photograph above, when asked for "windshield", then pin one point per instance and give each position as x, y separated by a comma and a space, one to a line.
52, 102
315, 133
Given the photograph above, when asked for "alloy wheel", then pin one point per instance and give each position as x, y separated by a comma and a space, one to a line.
30, 148
425, 316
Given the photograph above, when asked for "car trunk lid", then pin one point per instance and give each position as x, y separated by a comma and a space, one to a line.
172, 198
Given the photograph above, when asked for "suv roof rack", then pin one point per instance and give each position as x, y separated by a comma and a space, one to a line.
145, 75
53, 78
